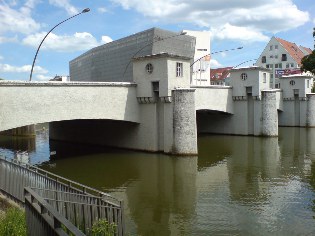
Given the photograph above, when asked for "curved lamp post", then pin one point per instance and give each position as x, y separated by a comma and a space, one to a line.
231, 49
244, 63
159, 39
84, 11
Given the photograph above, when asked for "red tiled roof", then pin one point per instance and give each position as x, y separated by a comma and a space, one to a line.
219, 73
307, 50
295, 52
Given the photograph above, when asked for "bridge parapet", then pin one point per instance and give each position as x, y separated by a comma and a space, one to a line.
25, 103
216, 98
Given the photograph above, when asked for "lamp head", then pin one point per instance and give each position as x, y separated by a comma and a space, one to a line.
240, 48
86, 10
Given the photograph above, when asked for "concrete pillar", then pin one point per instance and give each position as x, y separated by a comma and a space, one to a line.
184, 122
310, 113
28, 130
269, 114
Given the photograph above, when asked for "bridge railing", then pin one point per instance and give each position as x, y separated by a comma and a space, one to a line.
59, 191
43, 219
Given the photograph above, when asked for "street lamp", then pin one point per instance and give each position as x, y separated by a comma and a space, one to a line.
244, 63
232, 49
159, 39
215, 53
84, 11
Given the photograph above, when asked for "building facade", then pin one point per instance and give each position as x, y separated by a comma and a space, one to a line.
201, 63
112, 62
282, 58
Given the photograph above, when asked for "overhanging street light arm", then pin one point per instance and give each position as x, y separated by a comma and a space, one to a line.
232, 49
84, 11
153, 41
244, 63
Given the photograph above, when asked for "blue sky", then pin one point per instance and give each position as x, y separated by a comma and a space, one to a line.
232, 23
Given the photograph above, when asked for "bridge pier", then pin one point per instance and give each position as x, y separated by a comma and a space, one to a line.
184, 122
310, 115
269, 114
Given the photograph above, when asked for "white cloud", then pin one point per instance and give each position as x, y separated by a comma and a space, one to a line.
238, 33
64, 43
71, 10
21, 69
1, 58
17, 20
215, 64
314, 20
102, 10
252, 17
6, 39
106, 39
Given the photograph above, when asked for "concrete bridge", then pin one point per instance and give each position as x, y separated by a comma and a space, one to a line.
159, 111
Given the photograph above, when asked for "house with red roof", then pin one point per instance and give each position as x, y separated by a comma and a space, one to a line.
220, 76
282, 58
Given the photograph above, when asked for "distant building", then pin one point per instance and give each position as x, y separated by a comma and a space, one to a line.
201, 64
220, 76
112, 62
282, 58
62, 78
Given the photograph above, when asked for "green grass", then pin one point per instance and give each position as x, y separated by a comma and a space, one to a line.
103, 228
13, 223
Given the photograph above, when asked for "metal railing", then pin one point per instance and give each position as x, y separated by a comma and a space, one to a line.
76, 202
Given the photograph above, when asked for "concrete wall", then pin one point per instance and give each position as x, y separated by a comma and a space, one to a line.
216, 98
164, 72
30, 103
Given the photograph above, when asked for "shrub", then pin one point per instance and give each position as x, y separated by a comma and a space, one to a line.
13, 223
103, 228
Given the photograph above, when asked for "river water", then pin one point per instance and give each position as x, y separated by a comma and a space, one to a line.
236, 186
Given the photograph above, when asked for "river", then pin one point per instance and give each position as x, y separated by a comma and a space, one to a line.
238, 185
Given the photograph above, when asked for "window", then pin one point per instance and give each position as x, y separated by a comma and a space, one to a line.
179, 69
149, 68
292, 82
267, 66
264, 77
307, 83
263, 59
243, 76
280, 65
270, 48
276, 56
271, 56
292, 65
284, 57
276, 46
287, 65
276, 65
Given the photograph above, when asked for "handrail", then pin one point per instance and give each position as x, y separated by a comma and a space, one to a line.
66, 196
67, 182
53, 218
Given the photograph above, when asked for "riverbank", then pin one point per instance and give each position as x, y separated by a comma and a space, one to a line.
5, 204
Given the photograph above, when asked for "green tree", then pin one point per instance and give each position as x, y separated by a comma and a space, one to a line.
308, 63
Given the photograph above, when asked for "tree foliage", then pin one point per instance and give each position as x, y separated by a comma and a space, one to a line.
308, 63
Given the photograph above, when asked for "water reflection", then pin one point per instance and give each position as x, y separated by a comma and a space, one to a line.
237, 185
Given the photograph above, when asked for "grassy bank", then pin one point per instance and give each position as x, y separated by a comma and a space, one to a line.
12, 218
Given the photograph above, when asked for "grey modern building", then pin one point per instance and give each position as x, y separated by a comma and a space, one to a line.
112, 62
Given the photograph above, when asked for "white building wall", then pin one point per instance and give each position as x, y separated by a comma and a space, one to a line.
201, 69
273, 53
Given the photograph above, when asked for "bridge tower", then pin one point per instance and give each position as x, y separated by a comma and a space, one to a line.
166, 103
255, 104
